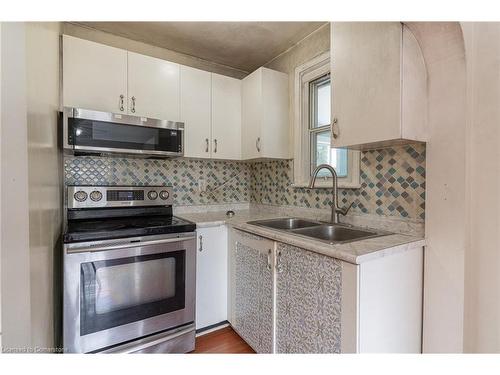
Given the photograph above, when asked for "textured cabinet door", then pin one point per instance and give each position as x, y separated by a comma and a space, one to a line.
226, 117
196, 87
253, 289
153, 87
94, 76
308, 301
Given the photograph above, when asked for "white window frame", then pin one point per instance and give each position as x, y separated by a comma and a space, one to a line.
304, 74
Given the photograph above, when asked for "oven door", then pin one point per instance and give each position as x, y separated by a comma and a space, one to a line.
100, 132
127, 291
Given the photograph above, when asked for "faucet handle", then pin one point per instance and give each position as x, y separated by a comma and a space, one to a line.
344, 210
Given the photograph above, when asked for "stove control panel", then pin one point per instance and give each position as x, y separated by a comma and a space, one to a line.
118, 196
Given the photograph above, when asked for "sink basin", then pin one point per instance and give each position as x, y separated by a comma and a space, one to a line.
287, 223
335, 233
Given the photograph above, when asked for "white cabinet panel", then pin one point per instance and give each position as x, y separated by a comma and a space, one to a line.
226, 117
265, 126
94, 76
211, 276
379, 85
196, 87
154, 86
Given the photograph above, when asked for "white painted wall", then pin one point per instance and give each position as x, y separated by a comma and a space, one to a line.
445, 224
44, 173
15, 263
482, 256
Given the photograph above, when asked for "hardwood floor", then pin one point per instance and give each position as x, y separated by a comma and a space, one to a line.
222, 341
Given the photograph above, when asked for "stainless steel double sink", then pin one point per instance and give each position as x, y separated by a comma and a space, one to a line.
329, 233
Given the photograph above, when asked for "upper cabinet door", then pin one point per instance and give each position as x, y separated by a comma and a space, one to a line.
195, 111
265, 126
153, 87
251, 99
366, 76
226, 117
94, 76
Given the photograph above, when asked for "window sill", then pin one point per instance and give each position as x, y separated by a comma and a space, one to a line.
322, 184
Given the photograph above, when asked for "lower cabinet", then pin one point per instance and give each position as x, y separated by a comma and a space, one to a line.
211, 276
308, 301
253, 291
284, 299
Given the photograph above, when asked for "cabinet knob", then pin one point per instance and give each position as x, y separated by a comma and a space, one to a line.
335, 128
200, 248
257, 144
206, 144
269, 265
215, 145
279, 265
133, 104
121, 104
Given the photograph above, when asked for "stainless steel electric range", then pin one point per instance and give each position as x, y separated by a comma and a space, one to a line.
129, 272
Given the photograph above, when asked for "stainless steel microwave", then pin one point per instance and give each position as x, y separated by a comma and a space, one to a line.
94, 132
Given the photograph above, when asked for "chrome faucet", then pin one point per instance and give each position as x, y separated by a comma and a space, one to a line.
336, 210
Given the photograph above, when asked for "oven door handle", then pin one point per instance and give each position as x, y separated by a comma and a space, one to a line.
115, 246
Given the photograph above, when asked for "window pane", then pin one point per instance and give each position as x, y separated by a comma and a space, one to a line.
323, 154
320, 91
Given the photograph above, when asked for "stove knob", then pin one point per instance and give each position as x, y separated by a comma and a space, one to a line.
164, 194
96, 196
152, 195
80, 196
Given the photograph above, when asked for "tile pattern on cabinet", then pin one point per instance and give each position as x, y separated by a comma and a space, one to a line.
308, 306
253, 297
226, 181
392, 184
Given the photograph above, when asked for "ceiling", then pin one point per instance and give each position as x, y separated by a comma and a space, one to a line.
241, 45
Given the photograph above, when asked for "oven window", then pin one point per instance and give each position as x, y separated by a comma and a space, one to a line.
111, 135
120, 291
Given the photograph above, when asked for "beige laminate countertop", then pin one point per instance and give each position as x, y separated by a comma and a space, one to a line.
355, 252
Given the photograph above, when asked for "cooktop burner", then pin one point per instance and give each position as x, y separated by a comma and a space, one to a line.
110, 228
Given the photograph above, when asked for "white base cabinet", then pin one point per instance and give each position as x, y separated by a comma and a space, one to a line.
284, 299
211, 276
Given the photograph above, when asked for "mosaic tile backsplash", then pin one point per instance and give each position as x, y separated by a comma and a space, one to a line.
392, 181
392, 184
226, 181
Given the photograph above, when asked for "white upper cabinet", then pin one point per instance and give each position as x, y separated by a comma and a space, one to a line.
94, 76
379, 85
153, 87
196, 92
265, 124
226, 117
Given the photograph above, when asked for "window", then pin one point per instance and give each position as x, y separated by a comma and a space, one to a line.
313, 129
320, 130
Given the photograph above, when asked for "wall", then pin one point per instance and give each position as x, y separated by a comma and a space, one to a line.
442, 46
97, 36
482, 255
44, 174
15, 273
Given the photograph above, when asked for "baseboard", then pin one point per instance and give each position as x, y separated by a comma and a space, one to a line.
212, 328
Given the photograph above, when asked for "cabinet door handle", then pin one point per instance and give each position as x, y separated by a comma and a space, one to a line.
206, 144
122, 108
215, 145
201, 243
133, 104
257, 144
279, 265
269, 265
335, 128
